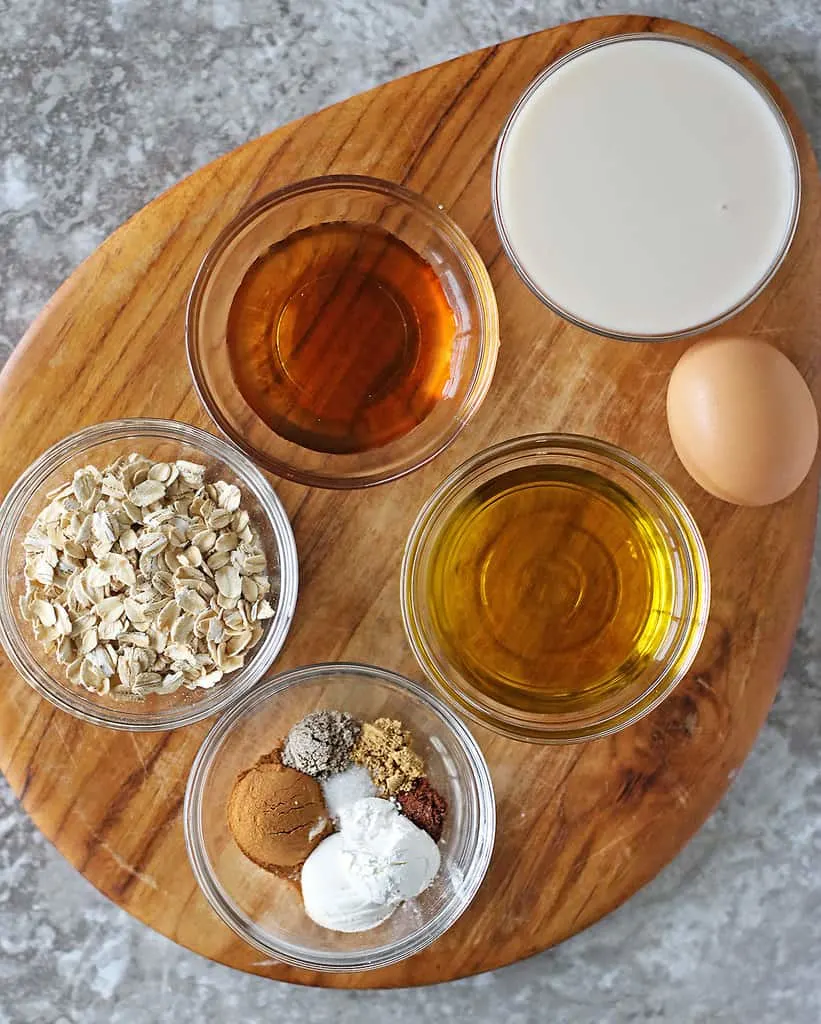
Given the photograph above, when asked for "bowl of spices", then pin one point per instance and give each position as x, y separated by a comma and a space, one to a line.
339, 817
149, 574
342, 331
555, 588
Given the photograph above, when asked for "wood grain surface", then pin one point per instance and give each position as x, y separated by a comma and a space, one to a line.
581, 828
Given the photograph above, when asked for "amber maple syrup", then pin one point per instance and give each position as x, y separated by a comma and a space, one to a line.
340, 338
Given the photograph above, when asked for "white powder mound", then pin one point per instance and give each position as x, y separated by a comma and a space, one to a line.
328, 894
391, 859
356, 878
345, 788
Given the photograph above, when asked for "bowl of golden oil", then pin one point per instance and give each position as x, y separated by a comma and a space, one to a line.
555, 588
342, 331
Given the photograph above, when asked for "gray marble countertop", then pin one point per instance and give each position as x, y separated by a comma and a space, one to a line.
104, 103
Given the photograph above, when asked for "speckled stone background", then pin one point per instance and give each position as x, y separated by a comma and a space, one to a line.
104, 103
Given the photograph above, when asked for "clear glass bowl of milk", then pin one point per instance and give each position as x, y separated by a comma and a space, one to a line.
646, 187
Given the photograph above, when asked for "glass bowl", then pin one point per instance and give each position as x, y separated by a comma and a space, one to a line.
567, 718
568, 70
267, 911
349, 199
160, 440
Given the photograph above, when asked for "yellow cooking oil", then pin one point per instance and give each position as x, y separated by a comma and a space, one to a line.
549, 587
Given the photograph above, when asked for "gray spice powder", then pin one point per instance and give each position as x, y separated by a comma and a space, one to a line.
321, 743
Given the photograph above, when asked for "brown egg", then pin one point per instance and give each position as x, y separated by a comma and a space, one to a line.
742, 420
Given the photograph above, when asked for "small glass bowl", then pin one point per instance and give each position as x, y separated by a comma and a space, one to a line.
267, 911
417, 223
691, 586
99, 445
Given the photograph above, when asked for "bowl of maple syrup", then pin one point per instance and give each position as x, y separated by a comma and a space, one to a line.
341, 331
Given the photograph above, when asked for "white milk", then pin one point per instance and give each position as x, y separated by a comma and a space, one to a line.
646, 187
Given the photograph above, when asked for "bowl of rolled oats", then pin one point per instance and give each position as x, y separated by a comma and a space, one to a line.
148, 574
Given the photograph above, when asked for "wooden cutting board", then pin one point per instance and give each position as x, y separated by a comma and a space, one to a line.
581, 828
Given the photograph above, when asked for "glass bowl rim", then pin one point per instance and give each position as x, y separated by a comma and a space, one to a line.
18, 499
463, 250
689, 543
388, 953
784, 245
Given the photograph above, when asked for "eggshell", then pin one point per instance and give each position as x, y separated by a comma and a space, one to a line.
742, 420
